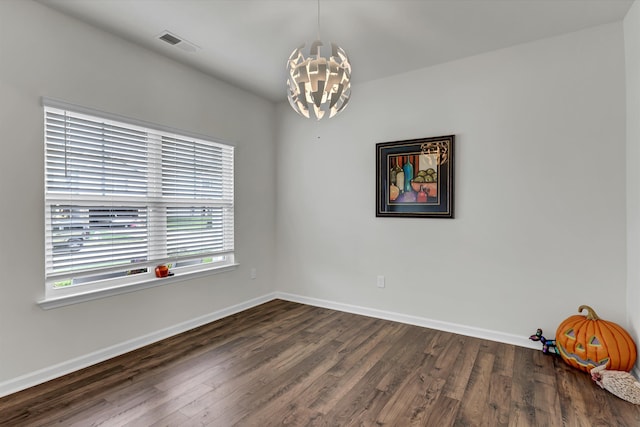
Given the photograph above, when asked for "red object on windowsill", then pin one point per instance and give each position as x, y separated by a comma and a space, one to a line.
162, 271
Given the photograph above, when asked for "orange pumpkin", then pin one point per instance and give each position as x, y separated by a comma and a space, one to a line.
585, 342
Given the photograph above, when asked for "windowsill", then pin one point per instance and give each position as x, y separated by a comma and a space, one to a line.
55, 302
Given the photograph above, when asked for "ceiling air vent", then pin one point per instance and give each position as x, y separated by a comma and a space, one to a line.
177, 41
169, 38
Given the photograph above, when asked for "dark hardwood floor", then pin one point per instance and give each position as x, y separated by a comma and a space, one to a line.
284, 363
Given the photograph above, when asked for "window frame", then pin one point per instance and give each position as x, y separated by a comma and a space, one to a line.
201, 264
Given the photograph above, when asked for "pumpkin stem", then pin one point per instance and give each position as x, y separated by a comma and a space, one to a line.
591, 315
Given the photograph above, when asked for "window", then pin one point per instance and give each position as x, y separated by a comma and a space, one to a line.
122, 198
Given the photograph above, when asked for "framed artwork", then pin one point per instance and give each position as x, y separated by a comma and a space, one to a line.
414, 178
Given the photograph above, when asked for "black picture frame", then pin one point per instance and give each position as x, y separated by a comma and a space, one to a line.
426, 168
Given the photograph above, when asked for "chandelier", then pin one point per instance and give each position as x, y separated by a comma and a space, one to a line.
318, 84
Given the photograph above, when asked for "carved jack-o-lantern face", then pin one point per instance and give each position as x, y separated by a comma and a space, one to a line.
587, 354
587, 342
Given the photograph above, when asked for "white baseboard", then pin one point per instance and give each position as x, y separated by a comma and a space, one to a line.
38, 377
414, 320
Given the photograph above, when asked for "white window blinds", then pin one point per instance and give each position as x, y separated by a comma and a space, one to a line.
120, 198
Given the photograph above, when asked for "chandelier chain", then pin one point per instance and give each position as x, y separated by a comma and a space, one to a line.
318, 20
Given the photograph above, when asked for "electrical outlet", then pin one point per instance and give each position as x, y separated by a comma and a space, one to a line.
380, 281
253, 273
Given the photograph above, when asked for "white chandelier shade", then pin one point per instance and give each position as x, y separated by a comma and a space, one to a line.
318, 85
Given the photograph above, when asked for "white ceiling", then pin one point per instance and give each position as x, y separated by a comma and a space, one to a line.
247, 42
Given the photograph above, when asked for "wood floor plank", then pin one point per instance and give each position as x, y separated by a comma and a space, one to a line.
165, 404
283, 363
445, 349
547, 404
462, 367
340, 380
402, 409
496, 412
475, 397
273, 401
522, 391
173, 419
368, 397
277, 376
443, 413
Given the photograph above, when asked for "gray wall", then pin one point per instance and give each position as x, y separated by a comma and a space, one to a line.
44, 53
540, 191
632, 55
